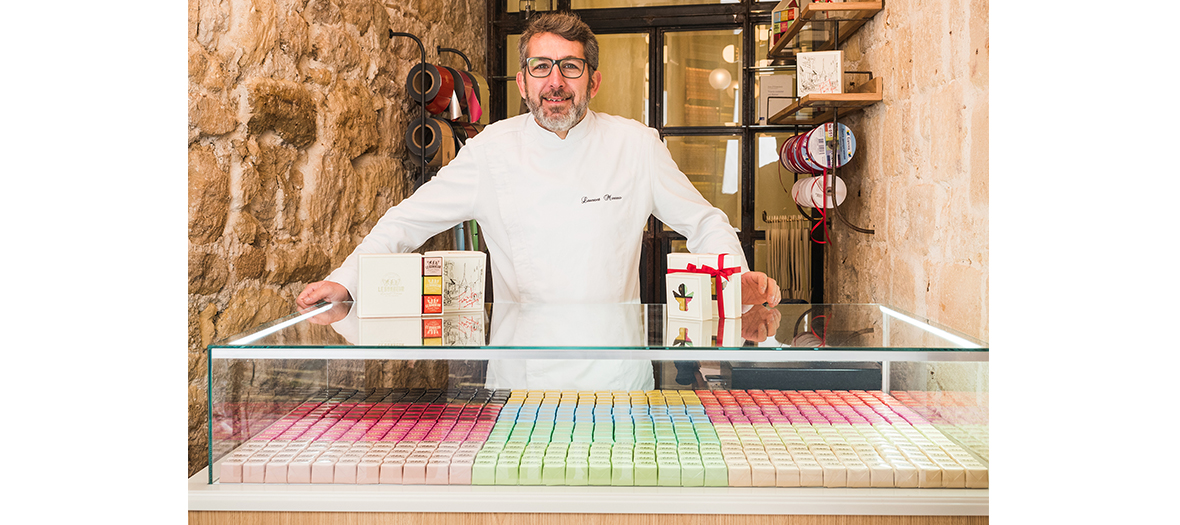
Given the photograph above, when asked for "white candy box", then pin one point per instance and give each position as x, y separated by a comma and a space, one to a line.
390, 285
724, 269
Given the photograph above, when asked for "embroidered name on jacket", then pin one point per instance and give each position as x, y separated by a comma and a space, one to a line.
607, 197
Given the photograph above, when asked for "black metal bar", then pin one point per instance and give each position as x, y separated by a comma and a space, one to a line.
422, 101
749, 113
442, 49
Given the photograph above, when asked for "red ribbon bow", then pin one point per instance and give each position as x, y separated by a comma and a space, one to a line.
714, 273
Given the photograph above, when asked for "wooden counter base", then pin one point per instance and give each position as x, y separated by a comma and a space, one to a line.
421, 518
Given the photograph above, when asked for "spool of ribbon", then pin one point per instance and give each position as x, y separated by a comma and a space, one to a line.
809, 192
436, 84
474, 110
423, 83
467, 130
446, 147
481, 90
424, 138
810, 152
719, 274
457, 107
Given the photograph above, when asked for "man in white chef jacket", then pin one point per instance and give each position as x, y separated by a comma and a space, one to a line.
561, 195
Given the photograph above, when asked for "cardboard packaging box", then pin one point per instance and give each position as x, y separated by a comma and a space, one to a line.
390, 285
781, 17
463, 274
730, 287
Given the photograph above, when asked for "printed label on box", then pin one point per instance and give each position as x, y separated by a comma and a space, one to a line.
432, 328
431, 304
432, 285
432, 265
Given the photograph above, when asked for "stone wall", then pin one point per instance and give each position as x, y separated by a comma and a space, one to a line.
920, 176
297, 113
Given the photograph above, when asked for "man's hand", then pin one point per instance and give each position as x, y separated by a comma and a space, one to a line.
759, 322
326, 291
759, 288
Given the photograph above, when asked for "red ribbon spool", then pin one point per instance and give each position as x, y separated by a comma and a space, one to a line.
442, 100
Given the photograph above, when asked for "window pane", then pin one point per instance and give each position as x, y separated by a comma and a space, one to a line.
713, 165
516, 6
702, 78
772, 182
622, 60
515, 99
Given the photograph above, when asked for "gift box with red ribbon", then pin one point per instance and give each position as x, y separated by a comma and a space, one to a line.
724, 270
702, 333
688, 296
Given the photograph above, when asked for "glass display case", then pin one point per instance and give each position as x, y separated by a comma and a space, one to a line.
859, 406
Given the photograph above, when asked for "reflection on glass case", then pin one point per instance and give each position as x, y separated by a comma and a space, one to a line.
612, 395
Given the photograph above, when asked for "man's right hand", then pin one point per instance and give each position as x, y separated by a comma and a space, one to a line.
322, 291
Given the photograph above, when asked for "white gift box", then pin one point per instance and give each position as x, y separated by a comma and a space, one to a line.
702, 333
686, 332
688, 296
390, 331
730, 288
727, 332
463, 274
464, 329
390, 285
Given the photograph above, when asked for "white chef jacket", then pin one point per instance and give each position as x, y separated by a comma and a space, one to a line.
562, 219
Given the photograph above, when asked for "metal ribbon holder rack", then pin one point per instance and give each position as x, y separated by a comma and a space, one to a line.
452, 112
451, 106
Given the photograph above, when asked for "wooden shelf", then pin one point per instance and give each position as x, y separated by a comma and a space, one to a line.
848, 17
826, 104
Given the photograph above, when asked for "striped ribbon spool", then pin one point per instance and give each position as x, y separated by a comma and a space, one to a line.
809, 192
810, 152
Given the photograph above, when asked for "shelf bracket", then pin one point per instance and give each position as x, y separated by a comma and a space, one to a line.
421, 178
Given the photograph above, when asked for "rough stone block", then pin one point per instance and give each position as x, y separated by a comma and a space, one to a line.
285, 107
207, 273
208, 195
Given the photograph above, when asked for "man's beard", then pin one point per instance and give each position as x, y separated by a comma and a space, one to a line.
558, 123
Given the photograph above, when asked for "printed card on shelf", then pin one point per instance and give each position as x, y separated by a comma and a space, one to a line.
688, 296
820, 72
390, 285
463, 274
390, 331
730, 286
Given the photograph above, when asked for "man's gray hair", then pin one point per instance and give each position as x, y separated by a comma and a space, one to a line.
564, 25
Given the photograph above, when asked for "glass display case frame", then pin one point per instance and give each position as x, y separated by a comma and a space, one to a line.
899, 348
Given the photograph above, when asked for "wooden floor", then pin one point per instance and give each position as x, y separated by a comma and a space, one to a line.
388, 518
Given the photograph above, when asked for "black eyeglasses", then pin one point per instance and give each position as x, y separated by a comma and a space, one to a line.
541, 67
